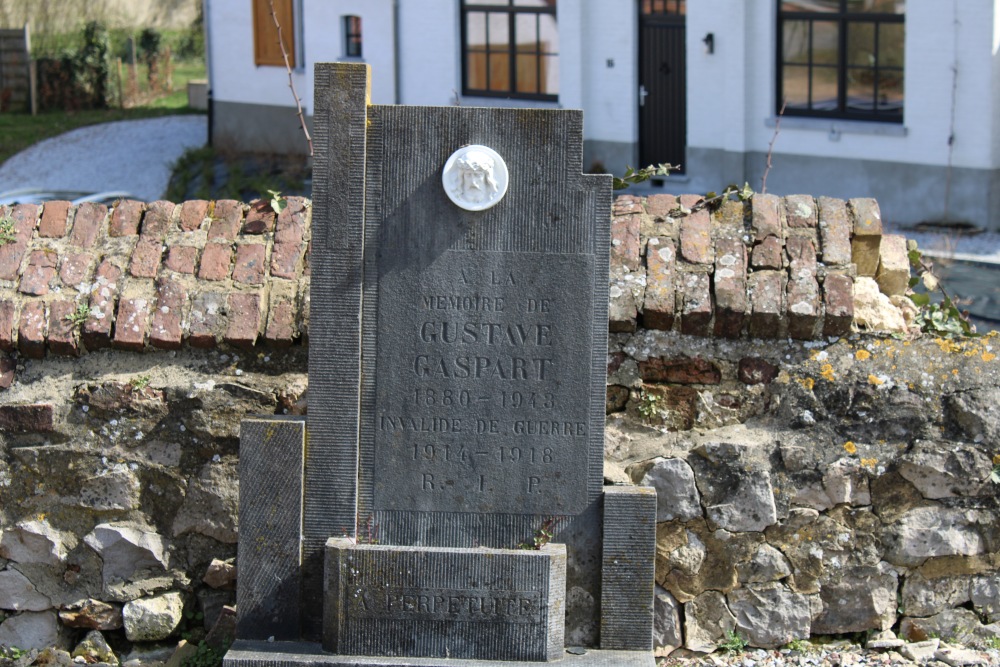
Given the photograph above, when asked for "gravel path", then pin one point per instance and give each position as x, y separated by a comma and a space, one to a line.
134, 156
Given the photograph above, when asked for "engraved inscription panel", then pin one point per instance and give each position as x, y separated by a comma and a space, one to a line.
482, 384
496, 604
445, 604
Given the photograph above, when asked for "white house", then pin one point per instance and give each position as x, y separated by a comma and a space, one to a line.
895, 99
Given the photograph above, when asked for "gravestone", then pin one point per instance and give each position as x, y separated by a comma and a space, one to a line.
446, 500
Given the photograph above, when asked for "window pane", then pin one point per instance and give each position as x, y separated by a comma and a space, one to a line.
861, 44
499, 72
548, 34
876, 6
890, 45
550, 75
861, 89
475, 31
824, 88
795, 42
486, 2
352, 36
890, 91
795, 90
498, 32
670, 7
475, 68
825, 42
811, 6
526, 32
544, 4
527, 73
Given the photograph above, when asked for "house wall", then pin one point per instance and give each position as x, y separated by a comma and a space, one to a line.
904, 166
731, 116
252, 104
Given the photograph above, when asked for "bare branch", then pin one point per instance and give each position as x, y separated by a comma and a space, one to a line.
291, 82
770, 147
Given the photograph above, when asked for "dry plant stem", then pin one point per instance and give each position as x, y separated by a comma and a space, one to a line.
770, 147
291, 82
925, 267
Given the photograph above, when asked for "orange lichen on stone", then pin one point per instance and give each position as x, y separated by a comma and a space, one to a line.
948, 345
850, 447
869, 463
989, 356
826, 372
875, 380
808, 383
863, 355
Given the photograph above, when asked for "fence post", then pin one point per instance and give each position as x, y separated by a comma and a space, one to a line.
121, 94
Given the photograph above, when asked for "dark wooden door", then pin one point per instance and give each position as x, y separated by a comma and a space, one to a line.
662, 81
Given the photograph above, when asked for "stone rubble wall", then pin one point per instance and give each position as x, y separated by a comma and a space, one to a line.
835, 485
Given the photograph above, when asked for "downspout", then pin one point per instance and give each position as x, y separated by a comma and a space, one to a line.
207, 27
396, 59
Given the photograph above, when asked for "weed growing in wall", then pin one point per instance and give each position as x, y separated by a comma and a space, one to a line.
649, 405
541, 537
7, 232
206, 656
734, 642
80, 315
634, 177
940, 319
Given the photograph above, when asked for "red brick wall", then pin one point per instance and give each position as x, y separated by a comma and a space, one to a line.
204, 274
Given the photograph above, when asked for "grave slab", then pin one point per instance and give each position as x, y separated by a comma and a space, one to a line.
502, 604
303, 654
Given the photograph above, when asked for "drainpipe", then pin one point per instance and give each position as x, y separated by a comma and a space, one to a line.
396, 59
207, 26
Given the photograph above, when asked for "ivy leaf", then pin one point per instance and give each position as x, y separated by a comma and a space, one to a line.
920, 300
278, 203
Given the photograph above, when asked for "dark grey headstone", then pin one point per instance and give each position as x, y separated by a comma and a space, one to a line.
544, 245
521, 441
627, 574
268, 553
445, 603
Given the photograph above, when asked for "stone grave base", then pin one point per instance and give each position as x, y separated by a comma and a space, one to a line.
302, 654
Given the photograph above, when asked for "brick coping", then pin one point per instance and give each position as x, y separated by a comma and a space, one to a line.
142, 277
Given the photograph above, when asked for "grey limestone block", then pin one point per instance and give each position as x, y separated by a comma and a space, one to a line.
627, 576
268, 553
485, 604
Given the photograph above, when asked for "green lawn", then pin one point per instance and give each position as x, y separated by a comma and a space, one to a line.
20, 130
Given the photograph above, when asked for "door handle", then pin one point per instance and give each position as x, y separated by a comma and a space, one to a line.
643, 93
